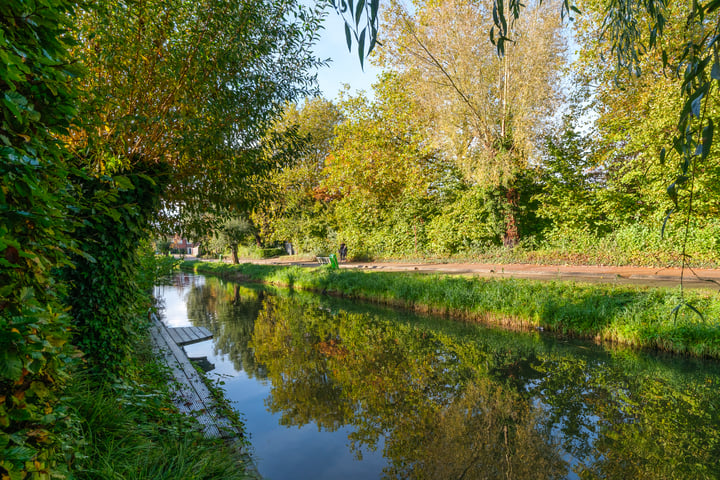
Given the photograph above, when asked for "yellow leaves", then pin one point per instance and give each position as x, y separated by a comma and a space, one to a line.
41, 436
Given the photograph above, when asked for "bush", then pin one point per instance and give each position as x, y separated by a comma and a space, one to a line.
636, 244
271, 252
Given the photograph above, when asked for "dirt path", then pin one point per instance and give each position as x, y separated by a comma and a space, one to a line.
658, 277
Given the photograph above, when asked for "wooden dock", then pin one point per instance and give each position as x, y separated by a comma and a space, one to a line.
192, 397
189, 335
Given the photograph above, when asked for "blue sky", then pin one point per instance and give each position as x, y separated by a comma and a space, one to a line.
345, 65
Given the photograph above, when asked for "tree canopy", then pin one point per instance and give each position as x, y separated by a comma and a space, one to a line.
193, 85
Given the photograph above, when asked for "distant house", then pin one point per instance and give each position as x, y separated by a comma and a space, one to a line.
184, 246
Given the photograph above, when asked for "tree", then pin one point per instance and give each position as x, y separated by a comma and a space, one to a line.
176, 99
293, 208
232, 233
191, 84
635, 119
570, 182
382, 176
653, 139
485, 111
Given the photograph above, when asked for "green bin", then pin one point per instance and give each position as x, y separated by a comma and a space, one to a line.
333, 261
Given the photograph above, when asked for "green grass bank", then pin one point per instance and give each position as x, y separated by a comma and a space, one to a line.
629, 315
130, 428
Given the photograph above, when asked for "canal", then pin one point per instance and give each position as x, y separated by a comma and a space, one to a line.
331, 389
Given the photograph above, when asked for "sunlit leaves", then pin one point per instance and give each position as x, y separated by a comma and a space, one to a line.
361, 24
485, 111
192, 84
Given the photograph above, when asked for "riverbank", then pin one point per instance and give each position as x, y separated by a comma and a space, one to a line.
622, 275
131, 428
643, 317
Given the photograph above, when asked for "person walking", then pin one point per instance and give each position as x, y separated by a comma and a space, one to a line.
343, 252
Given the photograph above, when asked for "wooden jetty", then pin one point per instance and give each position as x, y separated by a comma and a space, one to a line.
189, 335
192, 396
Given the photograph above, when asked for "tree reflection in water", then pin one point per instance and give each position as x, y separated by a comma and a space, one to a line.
450, 400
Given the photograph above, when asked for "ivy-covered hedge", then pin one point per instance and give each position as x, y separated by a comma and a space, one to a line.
108, 305
37, 105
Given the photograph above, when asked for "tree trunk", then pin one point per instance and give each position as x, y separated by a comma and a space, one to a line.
512, 235
258, 240
234, 250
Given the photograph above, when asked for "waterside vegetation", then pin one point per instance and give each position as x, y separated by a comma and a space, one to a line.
123, 120
628, 315
132, 429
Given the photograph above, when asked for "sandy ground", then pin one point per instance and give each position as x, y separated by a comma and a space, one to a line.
664, 277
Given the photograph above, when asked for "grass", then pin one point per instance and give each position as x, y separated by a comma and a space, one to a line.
131, 430
628, 315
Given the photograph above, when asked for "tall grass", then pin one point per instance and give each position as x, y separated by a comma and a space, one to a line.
131, 430
629, 315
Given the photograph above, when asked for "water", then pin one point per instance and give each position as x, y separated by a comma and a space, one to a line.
339, 390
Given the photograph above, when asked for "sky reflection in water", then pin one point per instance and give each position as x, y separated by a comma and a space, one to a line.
321, 382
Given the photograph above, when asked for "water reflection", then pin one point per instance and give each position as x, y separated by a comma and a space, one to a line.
439, 399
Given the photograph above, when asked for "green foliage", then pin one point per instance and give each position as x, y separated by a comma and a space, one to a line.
131, 429
194, 85
271, 252
570, 181
38, 104
469, 224
255, 252
106, 294
635, 244
361, 24
163, 246
296, 208
230, 234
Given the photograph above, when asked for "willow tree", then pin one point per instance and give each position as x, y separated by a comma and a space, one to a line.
484, 111
176, 98
192, 85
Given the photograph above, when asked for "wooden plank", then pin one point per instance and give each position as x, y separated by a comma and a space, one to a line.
189, 335
183, 335
203, 334
192, 396
173, 334
193, 334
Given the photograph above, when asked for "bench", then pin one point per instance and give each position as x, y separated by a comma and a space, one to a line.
323, 260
